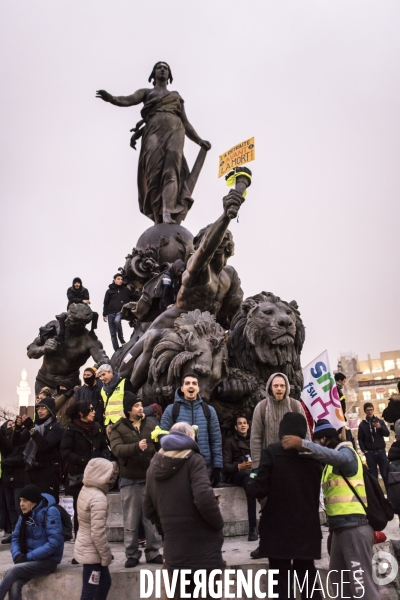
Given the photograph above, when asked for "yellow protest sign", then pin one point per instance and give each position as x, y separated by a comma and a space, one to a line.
236, 156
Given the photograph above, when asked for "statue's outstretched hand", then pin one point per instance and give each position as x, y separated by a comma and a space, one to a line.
50, 345
232, 203
206, 145
103, 95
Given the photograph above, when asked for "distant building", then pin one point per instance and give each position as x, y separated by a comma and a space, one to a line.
371, 380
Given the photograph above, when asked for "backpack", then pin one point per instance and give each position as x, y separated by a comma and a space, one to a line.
393, 485
378, 510
66, 522
206, 410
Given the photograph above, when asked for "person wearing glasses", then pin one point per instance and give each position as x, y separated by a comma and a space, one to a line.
83, 440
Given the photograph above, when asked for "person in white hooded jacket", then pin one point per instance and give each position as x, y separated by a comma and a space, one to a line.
269, 413
92, 549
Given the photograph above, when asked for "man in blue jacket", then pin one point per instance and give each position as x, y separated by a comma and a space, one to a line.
37, 542
190, 408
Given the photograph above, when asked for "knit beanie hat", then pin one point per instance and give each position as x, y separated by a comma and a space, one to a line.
32, 493
293, 424
130, 400
323, 429
49, 403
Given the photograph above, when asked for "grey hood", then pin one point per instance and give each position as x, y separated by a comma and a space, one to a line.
287, 395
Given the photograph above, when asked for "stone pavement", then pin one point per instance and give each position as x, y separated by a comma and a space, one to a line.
66, 583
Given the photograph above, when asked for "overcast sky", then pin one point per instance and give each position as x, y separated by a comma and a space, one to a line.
316, 83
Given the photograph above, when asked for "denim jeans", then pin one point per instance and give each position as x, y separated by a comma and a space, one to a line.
131, 501
115, 326
238, 479
18, 575
96, 582
375, 459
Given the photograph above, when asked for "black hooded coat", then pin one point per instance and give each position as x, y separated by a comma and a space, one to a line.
77, 296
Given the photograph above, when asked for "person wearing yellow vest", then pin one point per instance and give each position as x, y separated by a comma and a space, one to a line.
352, 537
113, 393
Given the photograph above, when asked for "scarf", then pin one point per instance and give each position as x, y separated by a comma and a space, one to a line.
88, 427
31, 447
112, 384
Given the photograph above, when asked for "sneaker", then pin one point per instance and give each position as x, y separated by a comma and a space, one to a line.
74, 562
122, 341
253, 535
6, 540
157, 560
131, 562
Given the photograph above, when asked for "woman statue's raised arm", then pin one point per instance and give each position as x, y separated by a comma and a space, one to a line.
131, 100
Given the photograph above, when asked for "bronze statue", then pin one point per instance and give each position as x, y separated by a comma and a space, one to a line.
164, 182
208, 284
66, 345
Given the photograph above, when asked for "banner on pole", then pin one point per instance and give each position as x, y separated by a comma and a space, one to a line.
320, 393
238, 155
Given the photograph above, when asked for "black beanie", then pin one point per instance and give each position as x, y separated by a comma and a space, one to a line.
49, 403
31, 493
129, 400
293, 424
323, 429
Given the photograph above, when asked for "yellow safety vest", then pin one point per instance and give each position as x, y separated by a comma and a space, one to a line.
114, 405
338, 497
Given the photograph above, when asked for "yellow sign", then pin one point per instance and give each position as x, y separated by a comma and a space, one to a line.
236, 156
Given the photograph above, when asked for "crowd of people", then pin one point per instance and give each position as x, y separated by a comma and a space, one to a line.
93, 438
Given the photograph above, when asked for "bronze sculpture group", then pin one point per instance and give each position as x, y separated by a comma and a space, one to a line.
233, 345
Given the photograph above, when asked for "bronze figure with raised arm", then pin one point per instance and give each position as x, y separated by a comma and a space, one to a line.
163, 173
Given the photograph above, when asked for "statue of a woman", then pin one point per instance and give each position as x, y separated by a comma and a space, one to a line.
163, 170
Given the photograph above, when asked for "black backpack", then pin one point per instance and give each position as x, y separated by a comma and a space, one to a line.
379, 511
206, 410
65, 521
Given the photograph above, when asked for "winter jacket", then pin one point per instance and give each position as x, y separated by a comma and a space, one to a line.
394, 451
116, 296
91, 394
48, 452
91, 545
263, 434
192, 412
77, 296
370, 438
178, 497
63, 402
392, 412
44, 538
289, 526
13, 464
236, 450
78, 447
124, 442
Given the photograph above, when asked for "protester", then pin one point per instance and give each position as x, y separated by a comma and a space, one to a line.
352, 536
90, 391
131, 443
238, 465
92, 549
8, 512
371, 432
340, 379
179, 499
45, 392
269, 413
189, 407
116, 296
113, 393
153, 410
171, 282
77, 294
289, 525
64, 399
391, 414
83, 440
42, 452
37, 542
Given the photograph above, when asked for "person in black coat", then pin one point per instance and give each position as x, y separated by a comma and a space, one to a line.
391, 414
90, 392
83, 440
42, 452
289, 527
77, 294
116, 296
238, 465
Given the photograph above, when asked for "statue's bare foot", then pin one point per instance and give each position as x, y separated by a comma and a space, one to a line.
167, 218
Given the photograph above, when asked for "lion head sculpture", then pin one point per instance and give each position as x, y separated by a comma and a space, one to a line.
197, 345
